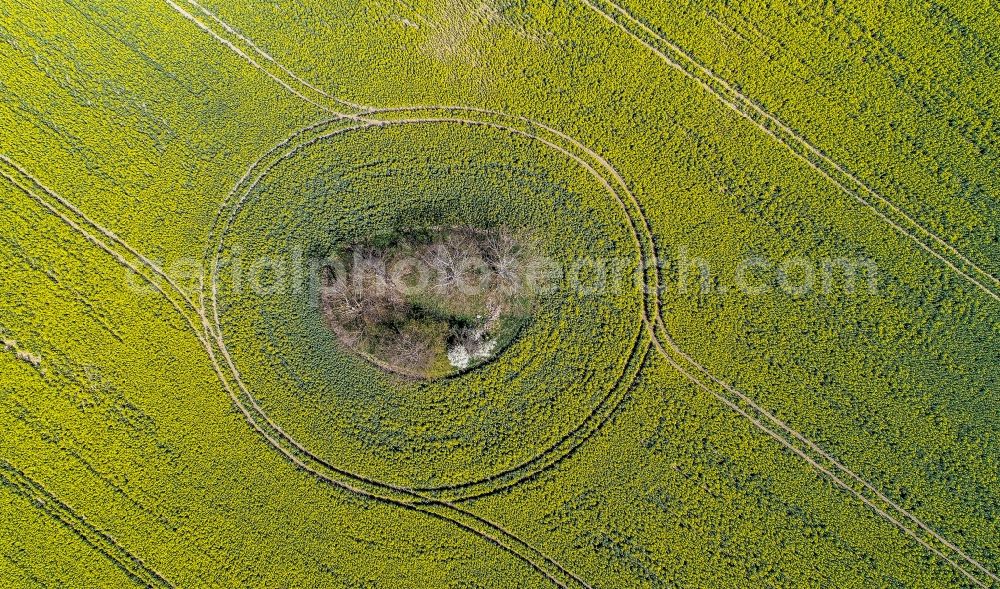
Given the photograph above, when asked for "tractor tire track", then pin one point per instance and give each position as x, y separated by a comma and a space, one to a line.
729, 395
267, 57
840, 475
733, 393
833, 172
480, 527
589, 424
138, 571
659, 334
260, 59
819, 460
391, 494
657, 328
24, 181
14, 174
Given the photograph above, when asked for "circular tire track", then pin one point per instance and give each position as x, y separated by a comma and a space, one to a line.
569, 442
439, 501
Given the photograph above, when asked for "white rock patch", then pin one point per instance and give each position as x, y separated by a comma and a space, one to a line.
461, 356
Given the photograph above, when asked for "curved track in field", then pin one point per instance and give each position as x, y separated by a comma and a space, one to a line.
588, 425
202, 330
445, 509
829, 169
701, 377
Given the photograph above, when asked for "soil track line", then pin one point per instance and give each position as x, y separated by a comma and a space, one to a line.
267, 57
21, 178
480, 527
489, 485
659, 326
888, 212
747, 102
391, 494
437, 508
833, 463
296, 85
826, 472
109, 249
40, 497
845, 473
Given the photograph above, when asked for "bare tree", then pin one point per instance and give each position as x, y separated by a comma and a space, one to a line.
455, 263
408, 349
361, 298
370, 276
505, 255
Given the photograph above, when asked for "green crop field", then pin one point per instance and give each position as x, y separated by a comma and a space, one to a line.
762, 346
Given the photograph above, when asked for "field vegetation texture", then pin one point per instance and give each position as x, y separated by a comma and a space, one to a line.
766, 353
